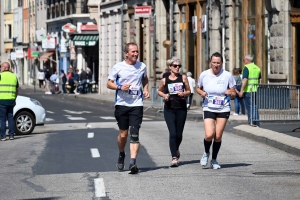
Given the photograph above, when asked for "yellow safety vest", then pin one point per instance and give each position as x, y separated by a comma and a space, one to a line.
253, 78
8, 86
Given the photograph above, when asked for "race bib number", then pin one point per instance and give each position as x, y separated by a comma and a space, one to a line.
133, 92
174, 88
215, 101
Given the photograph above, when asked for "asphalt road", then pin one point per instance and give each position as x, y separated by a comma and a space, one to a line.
57, 160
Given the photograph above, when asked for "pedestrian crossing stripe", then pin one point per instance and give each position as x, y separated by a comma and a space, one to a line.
113, 118
49, 119
76, 118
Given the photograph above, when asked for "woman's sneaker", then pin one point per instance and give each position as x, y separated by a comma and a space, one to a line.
215, 164
204, 159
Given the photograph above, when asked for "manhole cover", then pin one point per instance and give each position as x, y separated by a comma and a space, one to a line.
277, 173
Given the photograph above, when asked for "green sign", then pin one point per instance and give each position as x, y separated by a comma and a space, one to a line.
35, 54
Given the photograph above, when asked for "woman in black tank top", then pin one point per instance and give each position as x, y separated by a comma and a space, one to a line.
174, 88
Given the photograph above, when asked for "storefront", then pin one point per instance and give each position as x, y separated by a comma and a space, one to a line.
192, 37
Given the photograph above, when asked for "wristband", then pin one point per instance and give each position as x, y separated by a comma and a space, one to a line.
119, 87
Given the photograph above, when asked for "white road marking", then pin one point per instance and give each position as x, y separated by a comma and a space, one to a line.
99, 187
89, 126
107, 118
76, 118
49, 112
49, 119
144, 118
76, 112
95, 153
90, 135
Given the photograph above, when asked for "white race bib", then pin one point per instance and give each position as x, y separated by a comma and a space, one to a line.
215, 101
133, 92
174, 88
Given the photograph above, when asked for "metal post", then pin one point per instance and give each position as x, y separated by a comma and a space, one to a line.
154, 43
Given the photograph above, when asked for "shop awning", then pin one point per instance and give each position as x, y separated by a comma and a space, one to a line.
46, 56
85, 40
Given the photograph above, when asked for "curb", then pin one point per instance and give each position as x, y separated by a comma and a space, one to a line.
274, 139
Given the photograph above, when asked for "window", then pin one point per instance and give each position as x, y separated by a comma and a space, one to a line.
9, 31
238, 34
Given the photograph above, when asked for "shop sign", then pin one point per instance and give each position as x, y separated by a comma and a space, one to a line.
203, 23
84, 43
72, 53
132, 28
13, 56
63, 47
48, 42
19, 54
89, 27
142, 11
194, 24
151, 27
69, 28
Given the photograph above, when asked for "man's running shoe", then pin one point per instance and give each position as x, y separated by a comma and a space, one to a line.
204, 159
133, 169
215, 164
3, 138
120, 164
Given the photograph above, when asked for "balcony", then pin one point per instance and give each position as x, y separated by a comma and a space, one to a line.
8, 11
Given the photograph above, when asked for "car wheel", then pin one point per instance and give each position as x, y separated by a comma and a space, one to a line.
24, 123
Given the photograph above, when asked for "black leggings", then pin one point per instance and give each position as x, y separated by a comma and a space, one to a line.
175, 120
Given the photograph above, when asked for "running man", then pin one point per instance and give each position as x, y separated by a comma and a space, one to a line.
129, 79
216, 86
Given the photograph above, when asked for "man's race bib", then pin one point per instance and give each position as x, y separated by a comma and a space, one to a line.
174, 88
215, 101
133, 92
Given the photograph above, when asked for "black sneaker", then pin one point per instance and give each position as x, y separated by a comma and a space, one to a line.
3, 138
133, 169
120, 164
11, 137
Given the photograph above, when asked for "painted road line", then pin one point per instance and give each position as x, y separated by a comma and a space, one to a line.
108, 118
49, 119
95, 153
89, 126
99, 187
146, 119
76, 118
90, 135
76, 112
49, 112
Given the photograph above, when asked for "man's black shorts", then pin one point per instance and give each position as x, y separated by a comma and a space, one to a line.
128, 116
215, 115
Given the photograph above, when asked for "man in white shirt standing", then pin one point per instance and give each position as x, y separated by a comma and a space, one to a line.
129, 79
192, 84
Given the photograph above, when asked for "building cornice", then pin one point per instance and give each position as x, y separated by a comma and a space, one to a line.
68, 17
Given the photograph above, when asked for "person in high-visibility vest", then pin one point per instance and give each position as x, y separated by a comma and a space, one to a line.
8, 93
251, 79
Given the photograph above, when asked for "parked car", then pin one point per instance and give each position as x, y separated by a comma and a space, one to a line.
28, 113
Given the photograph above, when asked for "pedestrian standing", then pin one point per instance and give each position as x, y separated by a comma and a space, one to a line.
251, 79
9, 87
83, 80
216, 86
129, 79
238, 101
64, 79
174, 89
192, 84
41, 78
47, 82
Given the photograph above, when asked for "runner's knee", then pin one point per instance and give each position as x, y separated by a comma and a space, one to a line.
134, 134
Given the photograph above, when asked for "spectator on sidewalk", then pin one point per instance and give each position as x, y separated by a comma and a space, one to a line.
192, 84
251, 79
238, 101
64, 79
83, 77
76, 80
9, 87
47, 82
41, 77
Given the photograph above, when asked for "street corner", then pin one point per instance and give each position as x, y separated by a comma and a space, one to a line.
275, 139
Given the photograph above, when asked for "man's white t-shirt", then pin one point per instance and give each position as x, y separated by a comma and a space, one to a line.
122, 73
215, 86
192, 84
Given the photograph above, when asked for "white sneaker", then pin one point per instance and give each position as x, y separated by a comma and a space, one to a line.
77, 93
215, 165
204, 159
235, 114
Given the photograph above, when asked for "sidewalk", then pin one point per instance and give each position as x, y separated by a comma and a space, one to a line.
278, 135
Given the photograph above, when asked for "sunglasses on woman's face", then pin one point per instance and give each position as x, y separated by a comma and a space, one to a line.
175, 66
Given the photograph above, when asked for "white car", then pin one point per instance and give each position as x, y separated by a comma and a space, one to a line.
28, 113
